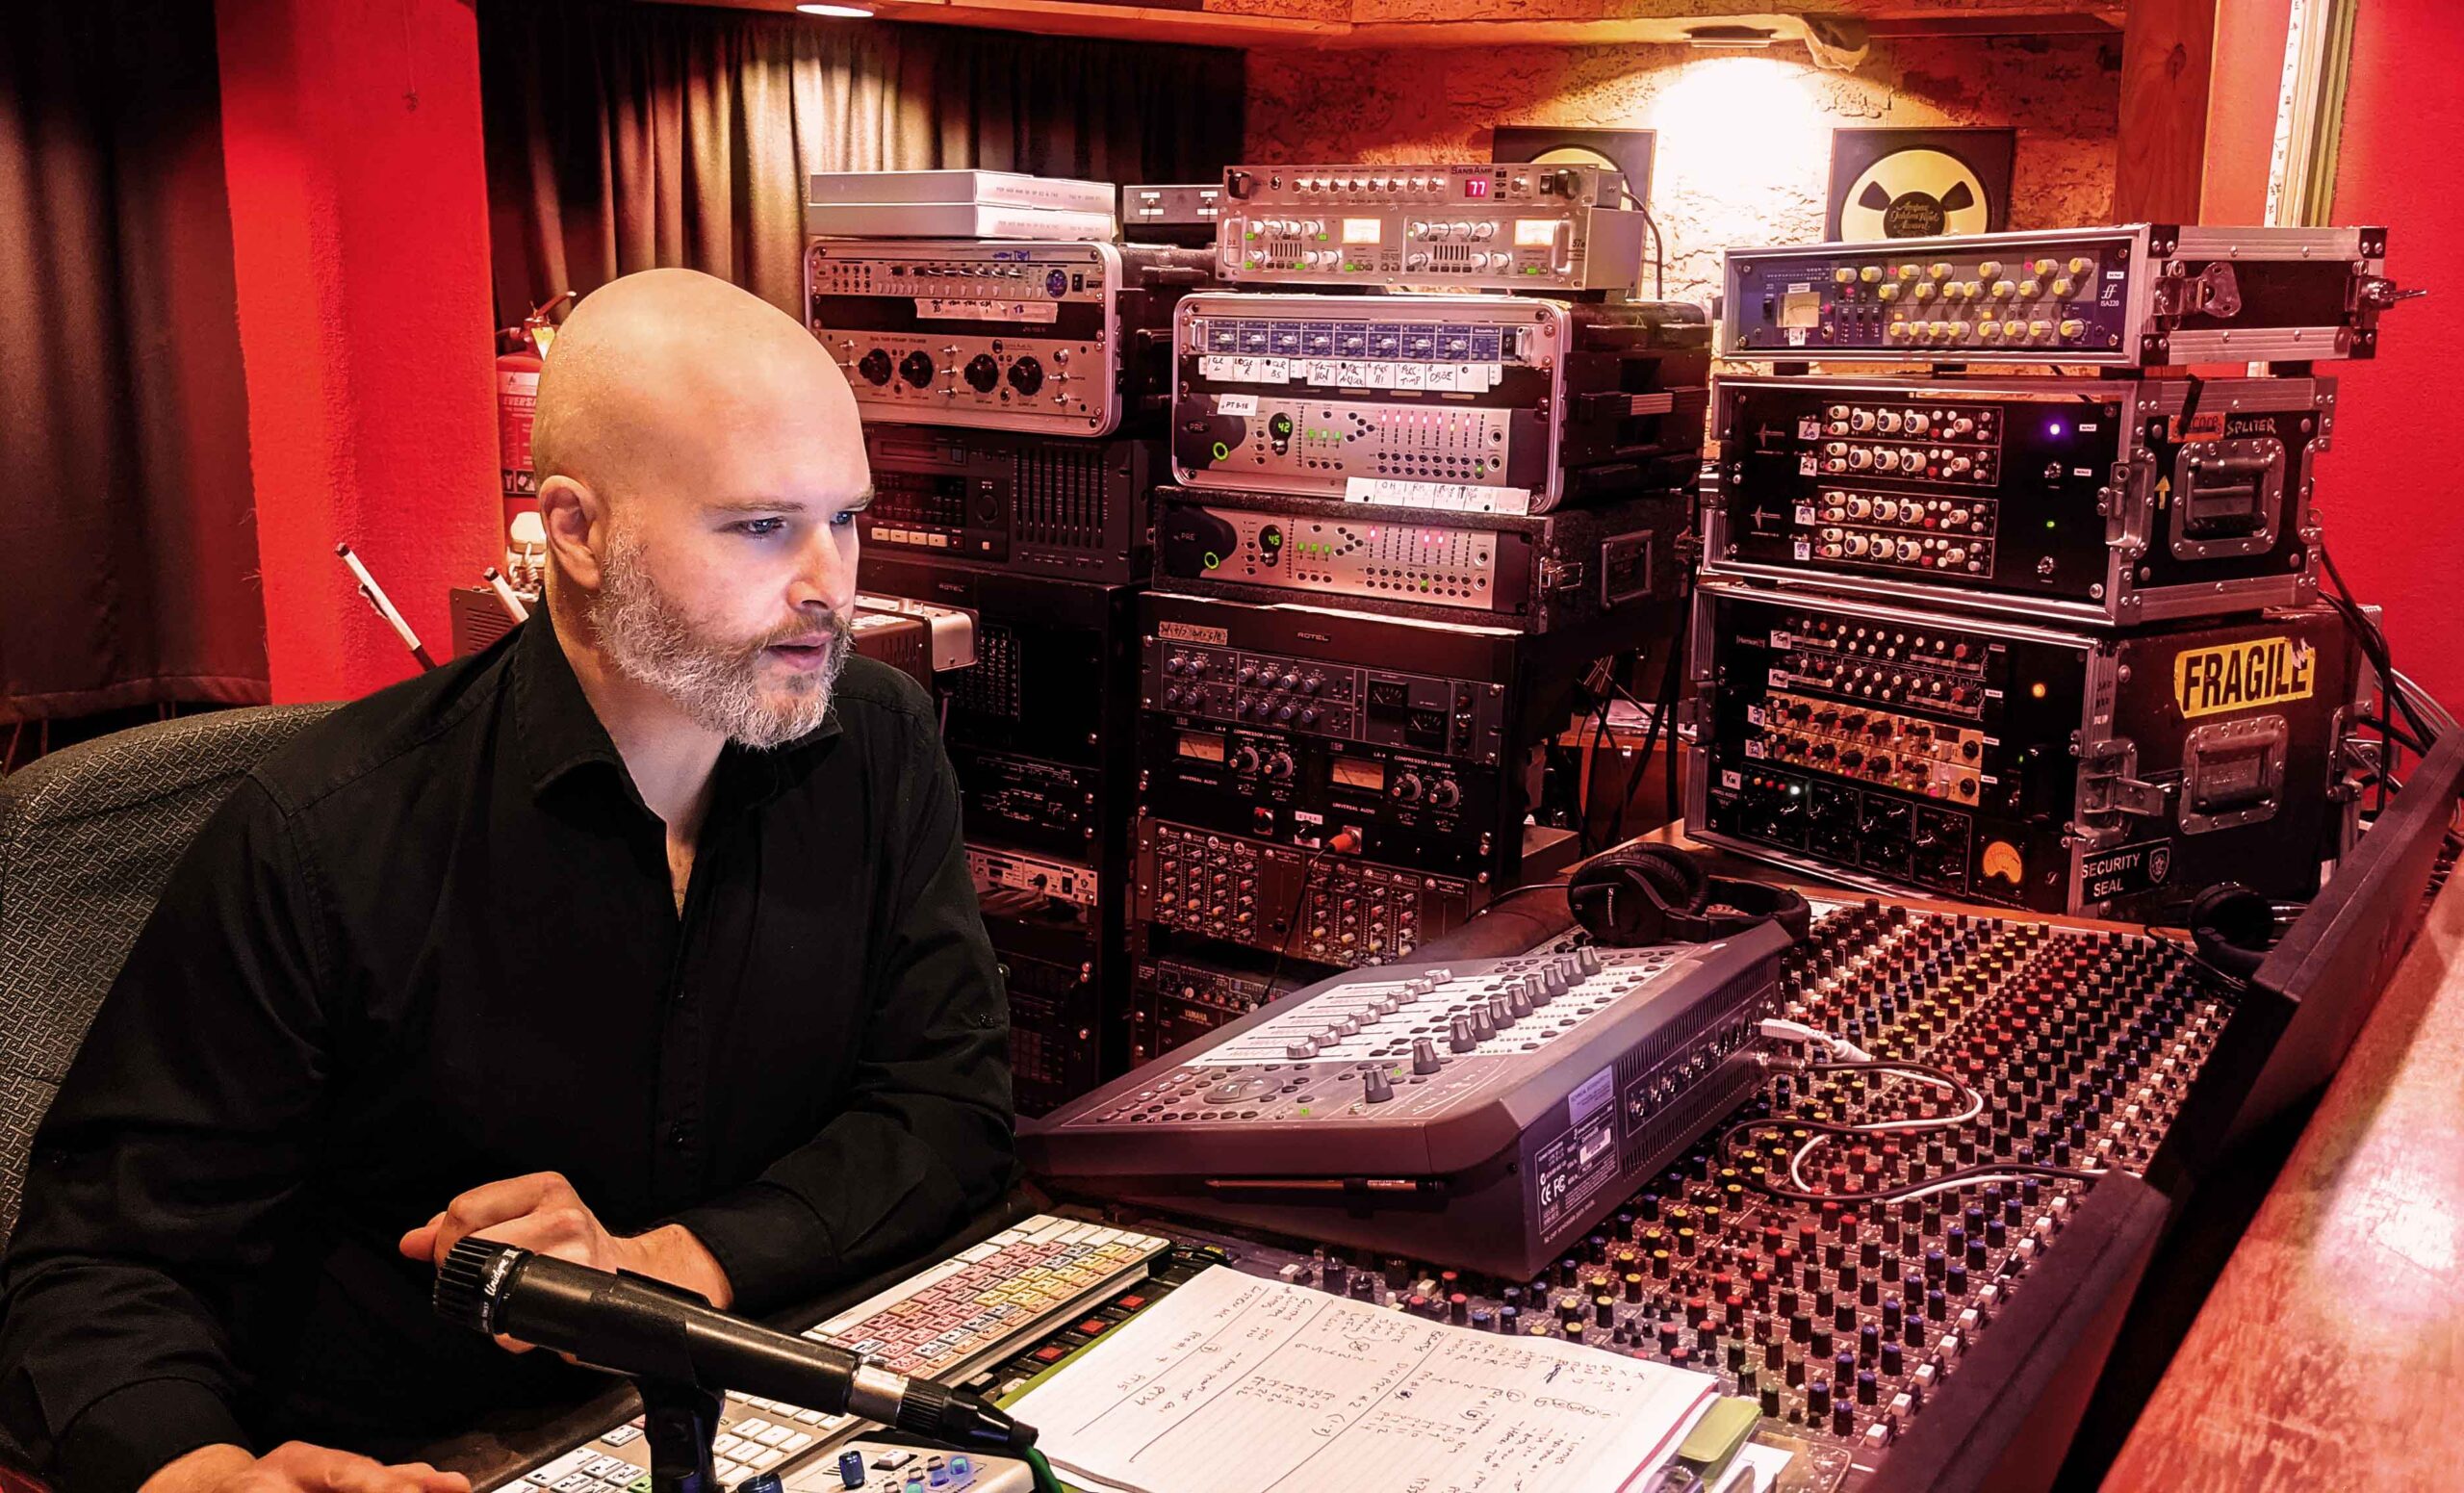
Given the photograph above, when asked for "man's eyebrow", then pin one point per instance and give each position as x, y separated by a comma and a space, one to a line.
862, 500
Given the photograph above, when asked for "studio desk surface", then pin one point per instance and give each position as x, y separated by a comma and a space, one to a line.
2330, 1353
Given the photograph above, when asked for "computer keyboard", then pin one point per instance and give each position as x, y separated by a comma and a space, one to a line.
942, 1323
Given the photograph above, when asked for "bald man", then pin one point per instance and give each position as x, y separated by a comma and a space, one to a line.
643, 938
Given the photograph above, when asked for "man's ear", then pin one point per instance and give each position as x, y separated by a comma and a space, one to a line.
575, 518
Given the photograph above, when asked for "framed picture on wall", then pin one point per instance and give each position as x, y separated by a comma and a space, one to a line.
1911, 184
1629, 151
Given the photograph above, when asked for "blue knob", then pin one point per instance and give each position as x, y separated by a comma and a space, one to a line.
851, 1469
961, 1466
762, 1483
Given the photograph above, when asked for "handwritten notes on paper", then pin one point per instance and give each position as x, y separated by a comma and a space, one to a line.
1235, 1384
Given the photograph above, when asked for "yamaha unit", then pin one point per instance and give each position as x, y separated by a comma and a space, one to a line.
1176, 998
1399, 806
1315, 903
2138, 295
1482, 1113
2109, 502
1536, 572
1043, 338
1032, 506
1992, 761
1476, 227
1487, 403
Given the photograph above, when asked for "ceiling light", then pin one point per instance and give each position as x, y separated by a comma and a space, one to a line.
856, 13
1729, 36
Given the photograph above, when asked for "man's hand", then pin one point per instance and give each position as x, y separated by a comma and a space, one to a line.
296, 1467
543, 1213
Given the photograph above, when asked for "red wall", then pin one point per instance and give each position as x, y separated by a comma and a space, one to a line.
359, 233
2391, 492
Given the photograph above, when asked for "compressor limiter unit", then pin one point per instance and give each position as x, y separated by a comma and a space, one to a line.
1501, 227
2109, 502
1484, 403
2138, 295
1986, 761
1043, 338
1484, 1114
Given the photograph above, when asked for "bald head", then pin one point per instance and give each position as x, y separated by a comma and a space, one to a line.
656, 375
700, 470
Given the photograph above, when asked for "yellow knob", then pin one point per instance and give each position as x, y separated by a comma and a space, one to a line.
2014, 329
2062, 288
1845, 275
1990, 331
2046, 266
2040, 330
1925, 291
1972, 290
2004, 288
2073, 327
2031, 288
1887, 292
1959, 331
1938, 272
1871, 274
1907, 271
2082, 265
1990, 267
1897, 331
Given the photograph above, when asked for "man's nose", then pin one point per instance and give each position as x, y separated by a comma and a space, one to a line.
825, 577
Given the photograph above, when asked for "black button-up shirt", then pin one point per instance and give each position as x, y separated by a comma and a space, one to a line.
433, 943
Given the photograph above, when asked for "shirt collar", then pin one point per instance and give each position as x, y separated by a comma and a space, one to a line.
557, 732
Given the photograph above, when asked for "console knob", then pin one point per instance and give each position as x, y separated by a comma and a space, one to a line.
1424, 1058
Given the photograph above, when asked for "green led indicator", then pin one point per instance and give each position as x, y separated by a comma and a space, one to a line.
1213, 560
1222, 451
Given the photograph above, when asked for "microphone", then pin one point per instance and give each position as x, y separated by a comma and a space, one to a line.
651, 1329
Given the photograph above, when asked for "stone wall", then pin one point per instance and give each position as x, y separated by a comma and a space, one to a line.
1744, 147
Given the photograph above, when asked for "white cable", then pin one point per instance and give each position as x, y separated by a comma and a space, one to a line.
1781, 1029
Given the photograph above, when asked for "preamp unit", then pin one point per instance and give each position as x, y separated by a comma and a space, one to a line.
1994, 761
1315, 903
1510, 227
1037, 337
1489, 404
2116, 501
2135, 296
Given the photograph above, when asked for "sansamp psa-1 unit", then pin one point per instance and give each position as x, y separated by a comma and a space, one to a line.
2107, 502
2106, 775
1472, 227
1536, 572
1045, 337
993, 500
1485, 1113
1483, 403
2137, 295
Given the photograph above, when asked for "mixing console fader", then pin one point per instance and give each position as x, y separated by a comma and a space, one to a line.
1489, 1110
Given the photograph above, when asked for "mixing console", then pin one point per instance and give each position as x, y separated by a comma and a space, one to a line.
1840, 1245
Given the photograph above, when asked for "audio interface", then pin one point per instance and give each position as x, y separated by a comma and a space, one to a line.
1485, 404
1995, 761
1508, 227
2141, 295
2111, 502
1035, 337
1535, 571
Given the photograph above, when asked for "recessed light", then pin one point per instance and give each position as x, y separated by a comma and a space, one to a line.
854, 12
1722, 36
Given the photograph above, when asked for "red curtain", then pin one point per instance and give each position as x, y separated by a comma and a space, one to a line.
127, 538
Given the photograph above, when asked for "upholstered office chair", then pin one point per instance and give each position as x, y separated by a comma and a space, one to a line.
88, 836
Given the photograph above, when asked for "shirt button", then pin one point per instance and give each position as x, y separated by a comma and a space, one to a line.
677, 1134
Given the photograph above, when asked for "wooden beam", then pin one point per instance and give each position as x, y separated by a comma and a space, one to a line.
2167, 49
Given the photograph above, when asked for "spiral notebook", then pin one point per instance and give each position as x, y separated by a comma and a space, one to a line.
1237, 1384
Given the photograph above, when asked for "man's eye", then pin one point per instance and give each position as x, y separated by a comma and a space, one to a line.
846, 518
760, 529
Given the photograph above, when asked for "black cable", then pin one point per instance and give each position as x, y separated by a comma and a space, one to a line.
2374, 644
2403, 738
1659, 246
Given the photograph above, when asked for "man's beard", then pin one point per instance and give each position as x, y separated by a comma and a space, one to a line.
717, 682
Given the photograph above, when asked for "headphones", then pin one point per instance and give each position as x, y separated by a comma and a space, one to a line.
2234, 927
1640, 894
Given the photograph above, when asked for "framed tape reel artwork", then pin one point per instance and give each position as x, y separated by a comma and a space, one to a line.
1916, 183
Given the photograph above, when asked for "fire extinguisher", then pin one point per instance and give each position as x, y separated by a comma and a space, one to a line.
526, 352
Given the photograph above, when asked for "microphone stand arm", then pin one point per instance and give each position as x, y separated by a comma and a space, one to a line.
681, 1420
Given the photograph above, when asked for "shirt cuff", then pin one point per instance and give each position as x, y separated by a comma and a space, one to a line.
773, 1246
130, 1435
